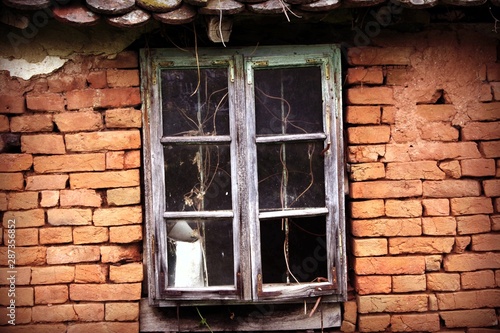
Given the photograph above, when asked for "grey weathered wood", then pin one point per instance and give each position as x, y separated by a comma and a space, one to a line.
135, 18
292, 212
196, 139
199, 214
290, 137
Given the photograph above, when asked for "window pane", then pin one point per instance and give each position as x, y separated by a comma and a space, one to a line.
197, 177
189, 109
291, 175
288, 100
303, 247
200, 253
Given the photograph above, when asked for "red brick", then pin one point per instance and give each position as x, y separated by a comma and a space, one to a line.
469, 299
109, 140
370, 95
90, 235
386, 189
428, 322
120, 253
478, 280
69, 163
96, 273
367, 171
408, 283
361, 75
118, 216
23, 316
411, 265
4, 124
414, 170
69, 216
97, 79
495, 219
125, 234
89, 311
469, 318
363, 115
485, 93
439, 132
123, 78
427, 245
387, 227
350, 312
3, 202
108, 179
126, 273
23, 237
126, 59
23, 275
43, 144
493, 71
51, 294
49, 198
403, 208
58, 235
25, 256
115, 160
388, 115
15, 162
80, 197
367, 247
495, 87
24, 218
57, 313
379, 56
122, 311
104, 327
397, 76
105, 292
81, 99
46, 102
78, 121
132, 159
436, 112
124, 196
451, 169
486, 242
11, 181
478, 167
481, 131
46, 182
436, 207
373, 284
24, 296
451, 188
60, 83
491, 187
374, 323
22, 200
364, 154
471, 206
439, 226
12, 104
32, 123
119, 97
52, 275
433, 263
366, 209
467, 262
443, 281
430, 151
490, 149
72, 254
461, 243
392, 303
485, 112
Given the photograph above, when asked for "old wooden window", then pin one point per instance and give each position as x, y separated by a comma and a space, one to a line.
243, 171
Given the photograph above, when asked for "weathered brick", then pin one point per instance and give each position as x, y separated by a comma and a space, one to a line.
411, 265
388, 115
367, 171
37, 327
367, 247
478, 280
364, 154
493, 71
374, 322
123, 78
72, 254
90, 235
369, 134
469, 318
392, 303
125, 234
97, 79
387, 227
32, 123
461, 243
452, 169
132, 159
104, 327
43, 144
24, 296
428, 322
24, 218
81, 99
52, 275
4, 124
427, 245
451, 188
78, 121
443, 281
124, 196
51, 294
46, 102
473, 224
11, 181
495, 219
471, 205
117, 216
23, 275
350, 312
49, 198
105, 292
3, 202
126, 273
370, 95
46, 182
109, 140
25, 256
15, 162
23, 316
469, 299
478, 167
439, 226
491, 187
485, 93
386, 189
366, 55
89, 311
361, 75
62, 83
125, 59
115, 160
397, 76
490, 149
485, 112
467, 262
94, 273
436, 112
57, 313
120, 311
12, 104
69, 216
108, 179
103, 98
69, 163
57, 235
439, 132
403, 208
373, 284
481, 131
80, 197
22, 200
23, 237
433, 263
363, 115
366, 209
408, 283
414, 170
120, 253
486, 242
430, 151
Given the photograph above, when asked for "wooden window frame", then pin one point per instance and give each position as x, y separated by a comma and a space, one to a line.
240, 64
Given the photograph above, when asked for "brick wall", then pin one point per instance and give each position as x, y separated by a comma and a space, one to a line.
423, 132
70, 179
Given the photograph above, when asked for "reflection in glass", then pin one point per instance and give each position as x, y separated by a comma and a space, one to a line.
193, 103
288, 100
197, 177
200, 253
291, 175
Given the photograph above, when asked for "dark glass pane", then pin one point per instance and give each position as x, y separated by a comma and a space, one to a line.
197, 177
291, 175
200, 253
188, 110
288, 100
304, 249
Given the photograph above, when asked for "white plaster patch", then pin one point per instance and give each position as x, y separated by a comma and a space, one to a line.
25, 70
